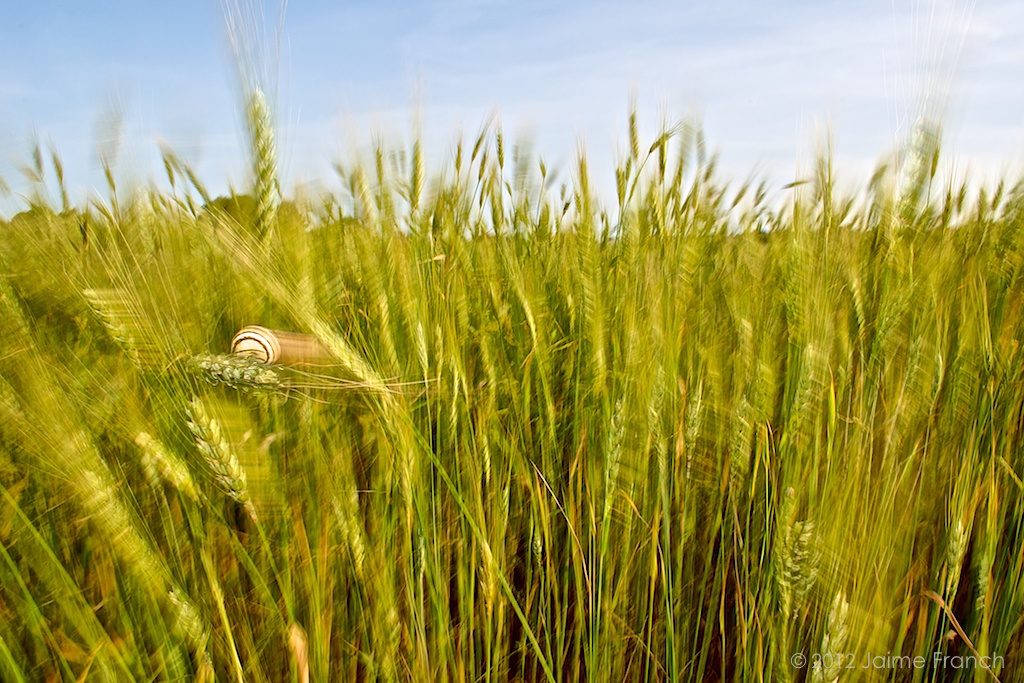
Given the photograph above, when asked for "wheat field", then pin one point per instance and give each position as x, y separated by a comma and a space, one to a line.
692, 432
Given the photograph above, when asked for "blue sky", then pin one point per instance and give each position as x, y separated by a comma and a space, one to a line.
767, 80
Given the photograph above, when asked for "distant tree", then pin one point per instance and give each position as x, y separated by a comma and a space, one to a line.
41, 214
241, 209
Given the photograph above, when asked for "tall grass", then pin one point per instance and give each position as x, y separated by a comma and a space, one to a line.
684, 438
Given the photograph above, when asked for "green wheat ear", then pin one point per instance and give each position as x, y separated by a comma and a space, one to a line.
796, 562
219, 455
237, 372
160, 464
264, 163
833, 643
957, 539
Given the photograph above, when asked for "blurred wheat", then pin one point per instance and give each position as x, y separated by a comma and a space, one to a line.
528, 437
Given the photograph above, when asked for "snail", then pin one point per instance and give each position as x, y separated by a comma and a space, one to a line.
278, 347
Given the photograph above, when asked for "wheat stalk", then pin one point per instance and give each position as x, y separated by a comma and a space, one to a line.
116, 526
298, 643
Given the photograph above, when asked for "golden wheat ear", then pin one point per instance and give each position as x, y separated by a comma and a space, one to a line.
276, 346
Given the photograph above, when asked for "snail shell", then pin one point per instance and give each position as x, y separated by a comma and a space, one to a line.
277, 346
257, 343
